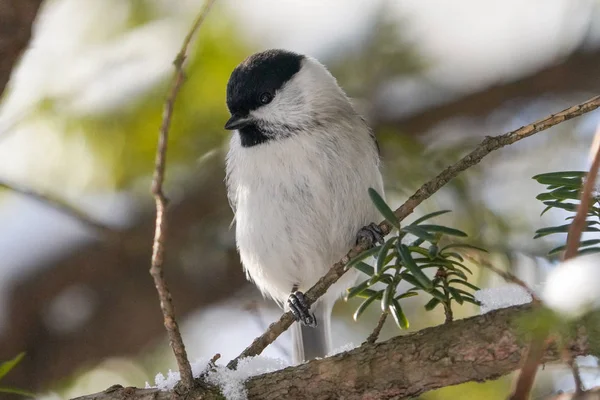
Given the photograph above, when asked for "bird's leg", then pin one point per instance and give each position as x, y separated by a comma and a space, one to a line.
297, 302
299, 307
370, 234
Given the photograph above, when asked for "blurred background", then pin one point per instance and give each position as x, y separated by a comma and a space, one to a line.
79, 122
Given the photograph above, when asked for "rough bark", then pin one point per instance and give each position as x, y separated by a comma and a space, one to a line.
574, 74
473, 349
16, 19
126, 316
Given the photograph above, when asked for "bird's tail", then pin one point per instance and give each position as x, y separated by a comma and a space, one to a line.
309, 343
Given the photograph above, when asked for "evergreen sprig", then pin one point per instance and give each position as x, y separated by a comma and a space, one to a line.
563, 192
406, 257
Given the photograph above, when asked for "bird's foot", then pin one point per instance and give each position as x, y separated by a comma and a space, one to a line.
299, 307
370, 235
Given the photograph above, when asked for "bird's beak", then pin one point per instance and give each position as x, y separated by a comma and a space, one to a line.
237, 122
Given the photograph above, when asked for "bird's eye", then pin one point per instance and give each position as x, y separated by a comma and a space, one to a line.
266, 98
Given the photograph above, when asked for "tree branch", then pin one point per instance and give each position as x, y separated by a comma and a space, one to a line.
489, 144
372, 338
473, 349
573, 74
158, 248
506, 275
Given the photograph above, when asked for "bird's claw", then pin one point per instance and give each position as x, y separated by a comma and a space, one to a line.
370, 235
299, 307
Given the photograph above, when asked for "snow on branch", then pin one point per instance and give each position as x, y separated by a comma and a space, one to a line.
473, 349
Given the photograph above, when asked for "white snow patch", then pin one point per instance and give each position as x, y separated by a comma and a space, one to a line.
572, 286
341, 349
232, 382
501, 297
168, 383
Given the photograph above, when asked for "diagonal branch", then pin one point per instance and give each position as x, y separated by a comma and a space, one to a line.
479, 348
489, 144
506, 275
372, 338
158, 248
574, 75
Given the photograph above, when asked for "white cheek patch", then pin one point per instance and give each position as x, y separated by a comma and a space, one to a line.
287, 108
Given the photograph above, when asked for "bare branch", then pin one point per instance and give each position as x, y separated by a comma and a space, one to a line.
372, 338
574, 75
506, 275
578, 224
488, 145
570, 360
158, 247
524, 384
479, 348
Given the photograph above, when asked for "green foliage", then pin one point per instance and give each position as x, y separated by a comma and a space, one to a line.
5, 368
562, 193
383, 208
404, 258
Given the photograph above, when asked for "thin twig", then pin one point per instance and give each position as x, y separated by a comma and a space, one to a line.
574, 238
488, 145
372, 338
535, 352
214, 359
578, 224
158, 248
58, 205
442, 276
532, 361
506, 275
570, 360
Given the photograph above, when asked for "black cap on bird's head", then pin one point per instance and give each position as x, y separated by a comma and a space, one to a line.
256, 80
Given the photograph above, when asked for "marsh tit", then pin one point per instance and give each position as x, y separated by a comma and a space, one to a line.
298, 168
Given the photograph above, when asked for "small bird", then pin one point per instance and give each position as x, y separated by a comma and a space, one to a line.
298, 170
